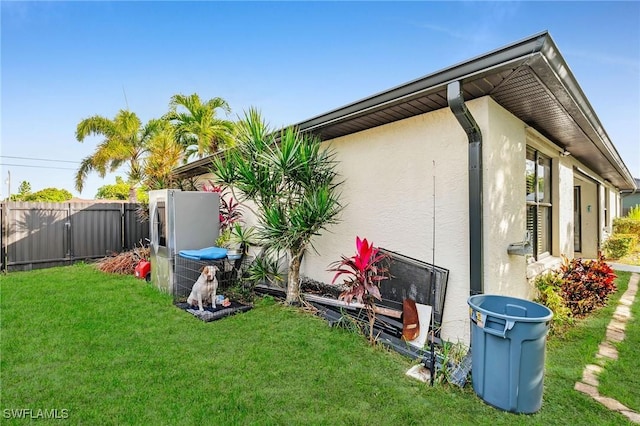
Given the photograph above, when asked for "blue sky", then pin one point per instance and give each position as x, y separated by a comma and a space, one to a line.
62, 62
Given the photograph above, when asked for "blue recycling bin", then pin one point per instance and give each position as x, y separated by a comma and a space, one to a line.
508, 340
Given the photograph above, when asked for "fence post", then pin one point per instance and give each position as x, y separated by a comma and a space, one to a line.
67, 225
123, 226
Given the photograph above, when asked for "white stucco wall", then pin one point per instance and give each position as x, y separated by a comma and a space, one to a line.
563, 207
504, 152
388, 192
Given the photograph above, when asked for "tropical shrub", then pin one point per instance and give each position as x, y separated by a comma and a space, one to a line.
549, 286
634, 213
292, 181
364, 273
619, 245
230, 211
586, 284
53, 195
264, 269
626, 225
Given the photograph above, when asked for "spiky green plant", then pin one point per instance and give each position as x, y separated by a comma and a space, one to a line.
264, 269
292, 181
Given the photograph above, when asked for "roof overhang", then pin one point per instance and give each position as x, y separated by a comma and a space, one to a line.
197, 167
529, 78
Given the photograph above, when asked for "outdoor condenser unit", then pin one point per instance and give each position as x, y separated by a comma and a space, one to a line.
179, 220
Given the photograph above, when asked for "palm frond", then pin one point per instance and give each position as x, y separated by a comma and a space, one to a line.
86, 166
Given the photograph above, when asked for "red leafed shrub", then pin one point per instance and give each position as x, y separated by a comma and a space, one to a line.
230, 211
587, 284
363, 276
363, 271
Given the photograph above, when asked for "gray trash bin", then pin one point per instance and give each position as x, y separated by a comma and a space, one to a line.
508, 339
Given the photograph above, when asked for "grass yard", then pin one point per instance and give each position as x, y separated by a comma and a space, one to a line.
114, 350
632, 258
620, 379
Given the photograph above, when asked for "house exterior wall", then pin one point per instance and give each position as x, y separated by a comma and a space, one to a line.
629, 201
393, 173
563, 202
504, 151
388, 193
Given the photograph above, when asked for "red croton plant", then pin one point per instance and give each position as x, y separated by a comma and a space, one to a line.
586, 284
363, 273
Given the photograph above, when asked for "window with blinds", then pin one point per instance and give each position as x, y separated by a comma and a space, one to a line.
538, 177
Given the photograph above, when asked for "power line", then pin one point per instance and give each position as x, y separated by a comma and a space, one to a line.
37, 167
39, 159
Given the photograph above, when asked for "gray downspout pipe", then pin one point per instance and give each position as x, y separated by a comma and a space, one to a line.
464, 117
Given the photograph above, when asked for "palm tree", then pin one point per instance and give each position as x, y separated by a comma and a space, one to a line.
196, 125
165, 153
293, 183
125, 141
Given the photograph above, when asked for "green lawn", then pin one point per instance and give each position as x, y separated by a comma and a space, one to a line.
625, 369
113, 350
632, 258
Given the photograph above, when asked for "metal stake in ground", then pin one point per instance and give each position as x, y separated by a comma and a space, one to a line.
432, 278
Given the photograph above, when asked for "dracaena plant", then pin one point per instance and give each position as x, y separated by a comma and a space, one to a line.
230, 211
363, 272
291, 179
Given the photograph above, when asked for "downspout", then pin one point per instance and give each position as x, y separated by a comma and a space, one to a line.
469, 125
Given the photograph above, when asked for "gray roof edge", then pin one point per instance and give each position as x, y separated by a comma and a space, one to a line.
197, 164
522, 50
551, 55
537, 46
528, 50
632, 191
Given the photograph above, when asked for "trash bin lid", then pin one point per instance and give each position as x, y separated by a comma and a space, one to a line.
510, 308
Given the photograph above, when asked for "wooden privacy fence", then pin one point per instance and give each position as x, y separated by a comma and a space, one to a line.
41, 235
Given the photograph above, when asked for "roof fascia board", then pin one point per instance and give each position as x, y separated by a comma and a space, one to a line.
554, 62
435, 87
518, 51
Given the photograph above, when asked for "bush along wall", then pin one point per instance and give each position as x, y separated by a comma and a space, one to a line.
549, 286
619, 245
586, 284
626, 225
574, 291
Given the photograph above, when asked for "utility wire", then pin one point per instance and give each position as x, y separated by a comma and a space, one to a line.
37, 167
39, 159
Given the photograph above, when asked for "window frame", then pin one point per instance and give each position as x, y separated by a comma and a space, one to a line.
541, 204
